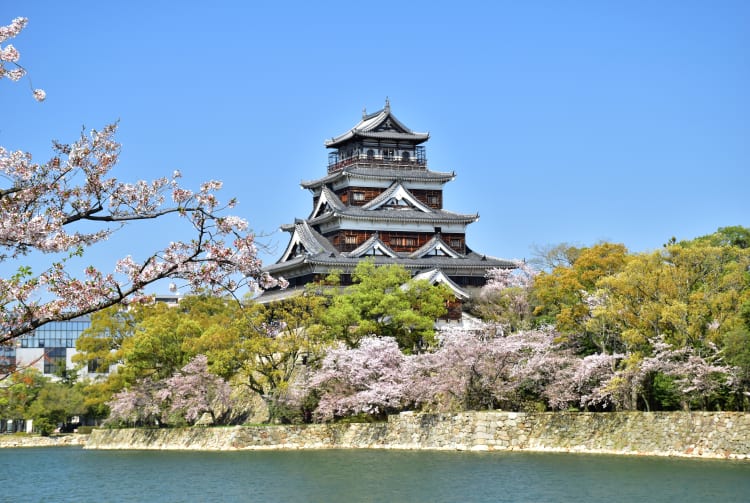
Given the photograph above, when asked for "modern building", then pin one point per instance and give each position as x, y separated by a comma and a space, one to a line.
380, 201
50, 348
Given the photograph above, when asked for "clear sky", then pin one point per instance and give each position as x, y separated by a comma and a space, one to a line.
564, 121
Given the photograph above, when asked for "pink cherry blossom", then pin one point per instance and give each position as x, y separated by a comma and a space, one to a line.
55, 208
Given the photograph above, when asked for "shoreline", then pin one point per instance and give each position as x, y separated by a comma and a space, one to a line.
39, 442
696, 435
701, 435
12, 440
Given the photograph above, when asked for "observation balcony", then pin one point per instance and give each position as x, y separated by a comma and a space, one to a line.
384, 159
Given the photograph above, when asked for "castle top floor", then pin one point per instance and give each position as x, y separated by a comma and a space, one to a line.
379, 140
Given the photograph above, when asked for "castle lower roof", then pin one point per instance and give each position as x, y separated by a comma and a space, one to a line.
318, 255
395, 216
378, 173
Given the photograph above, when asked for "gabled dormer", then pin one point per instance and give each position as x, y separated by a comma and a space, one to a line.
373, 247
328, 202
435, 247
304, 242
397, 197
438, 277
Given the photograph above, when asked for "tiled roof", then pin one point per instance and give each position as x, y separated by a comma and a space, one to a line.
470, 264
409, 175
311, 240
328, 197
368, 128
395, 215
436, 276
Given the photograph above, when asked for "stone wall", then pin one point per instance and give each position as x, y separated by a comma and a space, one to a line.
13, 440
691, 434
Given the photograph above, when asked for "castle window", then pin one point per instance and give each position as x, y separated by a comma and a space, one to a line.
358, 196
350, 240
403, 241
405, 156
388, 153
370, 154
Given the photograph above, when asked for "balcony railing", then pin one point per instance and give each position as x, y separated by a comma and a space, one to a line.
337, 163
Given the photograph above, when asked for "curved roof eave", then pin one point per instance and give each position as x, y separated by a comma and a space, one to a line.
367, 125
381, 174
397, 216
415, 138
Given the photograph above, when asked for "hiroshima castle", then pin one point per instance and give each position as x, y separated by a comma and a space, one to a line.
379, 201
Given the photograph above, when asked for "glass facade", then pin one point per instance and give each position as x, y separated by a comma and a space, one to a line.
54, 360
57, 334
55, 339
7, 358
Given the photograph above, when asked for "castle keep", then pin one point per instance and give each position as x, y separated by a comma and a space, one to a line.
380, 201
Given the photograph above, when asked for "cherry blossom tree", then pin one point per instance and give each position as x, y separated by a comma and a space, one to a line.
505, 297
194, 390
468, 370
370, 378
49, 210
694, 380
182, 398
478, 370
137, 405
499, 279
586, 383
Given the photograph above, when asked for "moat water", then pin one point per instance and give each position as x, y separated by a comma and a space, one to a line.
64, 474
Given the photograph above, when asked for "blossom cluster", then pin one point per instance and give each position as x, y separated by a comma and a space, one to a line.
50, 208
520, 276
479, 369
9, 55
185, 396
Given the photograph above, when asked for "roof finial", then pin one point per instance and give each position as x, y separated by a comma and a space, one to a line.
364, 112
387, 104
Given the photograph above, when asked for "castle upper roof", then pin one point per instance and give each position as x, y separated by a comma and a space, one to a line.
381, 125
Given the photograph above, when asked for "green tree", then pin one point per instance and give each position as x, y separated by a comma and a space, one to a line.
19, 392
100, 345
564, 296
281, 340
55, 405
736, 236
155, 341
736, 344
689, 293
385, 301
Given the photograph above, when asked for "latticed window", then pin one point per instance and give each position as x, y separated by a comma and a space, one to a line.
406, 241
350, 240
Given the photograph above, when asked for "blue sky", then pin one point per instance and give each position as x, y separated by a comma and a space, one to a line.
564, 121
